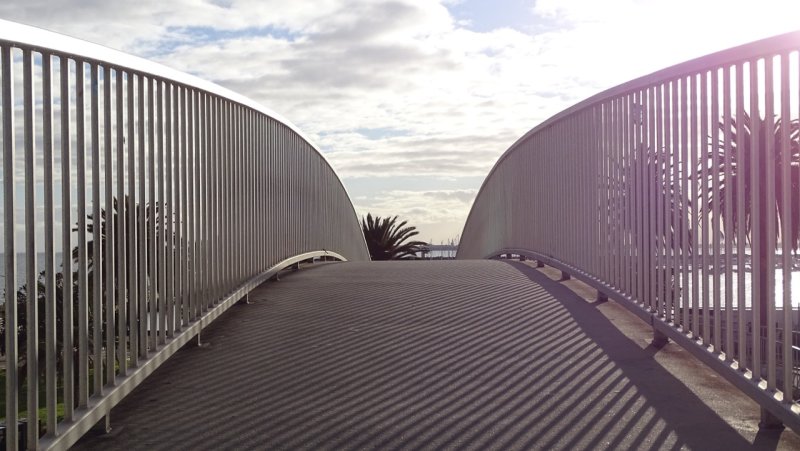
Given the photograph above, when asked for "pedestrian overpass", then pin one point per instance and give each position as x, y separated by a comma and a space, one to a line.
174, 201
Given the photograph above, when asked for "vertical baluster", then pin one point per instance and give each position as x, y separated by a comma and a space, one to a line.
715, 207
638, 190
670, 175
630, 200
66, 243
676, 207
245, 192
269, 203
213, 201
9, 245
198, 282
618, 227
660, 204
685, 170
51, 396
97, 236
704, 203
83, 282
30, 247
262, 176
122, 294
149, 210
237, 193
225, 160
185, 146
768, 161
741, 242
158, 214
755, 212
786, 227
697, 212
137, 320
727, 219
650, 177
201, 203
253, 191
220, 211
147, 334
169, 204
604, 199
191, 257
222, 193
110, 326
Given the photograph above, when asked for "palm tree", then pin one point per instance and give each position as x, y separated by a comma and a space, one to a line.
741, 168
386, 238
150, 213
653, 170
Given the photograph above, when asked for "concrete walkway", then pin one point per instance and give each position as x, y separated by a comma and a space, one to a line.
424, 355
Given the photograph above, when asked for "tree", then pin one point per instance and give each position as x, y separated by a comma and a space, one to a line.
756, 135
22, 329
744, 169
386, 238
146, 212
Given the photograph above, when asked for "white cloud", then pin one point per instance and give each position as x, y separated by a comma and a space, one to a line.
437, 214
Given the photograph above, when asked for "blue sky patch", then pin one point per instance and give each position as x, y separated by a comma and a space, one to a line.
381, 132
486, 16
197, 36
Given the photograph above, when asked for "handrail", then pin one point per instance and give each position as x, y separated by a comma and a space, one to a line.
41, 40
181, 197
654, 193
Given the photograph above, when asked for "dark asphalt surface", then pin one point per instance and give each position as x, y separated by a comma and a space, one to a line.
427, 355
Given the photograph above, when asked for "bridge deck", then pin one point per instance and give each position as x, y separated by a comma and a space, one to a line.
478, 354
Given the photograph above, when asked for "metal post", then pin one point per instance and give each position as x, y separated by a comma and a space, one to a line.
659, 339
769, 421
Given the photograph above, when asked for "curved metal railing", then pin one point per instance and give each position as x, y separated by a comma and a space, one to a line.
157, 199
669, 193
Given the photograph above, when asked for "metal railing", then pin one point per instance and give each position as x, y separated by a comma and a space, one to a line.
139, 203
677, 194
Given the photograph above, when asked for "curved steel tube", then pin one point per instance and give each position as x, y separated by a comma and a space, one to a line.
193, 196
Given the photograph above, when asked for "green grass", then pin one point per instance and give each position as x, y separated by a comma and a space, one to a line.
42, 412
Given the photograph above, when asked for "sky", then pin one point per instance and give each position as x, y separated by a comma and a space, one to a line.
413, 101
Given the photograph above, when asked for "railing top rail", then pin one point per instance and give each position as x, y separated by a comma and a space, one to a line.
45, 41
771, 46
774, 45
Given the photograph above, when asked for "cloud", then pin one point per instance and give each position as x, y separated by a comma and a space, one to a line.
438, 214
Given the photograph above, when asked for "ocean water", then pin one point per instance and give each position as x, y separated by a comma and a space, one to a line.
793, 294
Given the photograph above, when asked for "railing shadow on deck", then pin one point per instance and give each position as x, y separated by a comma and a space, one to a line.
690, 416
